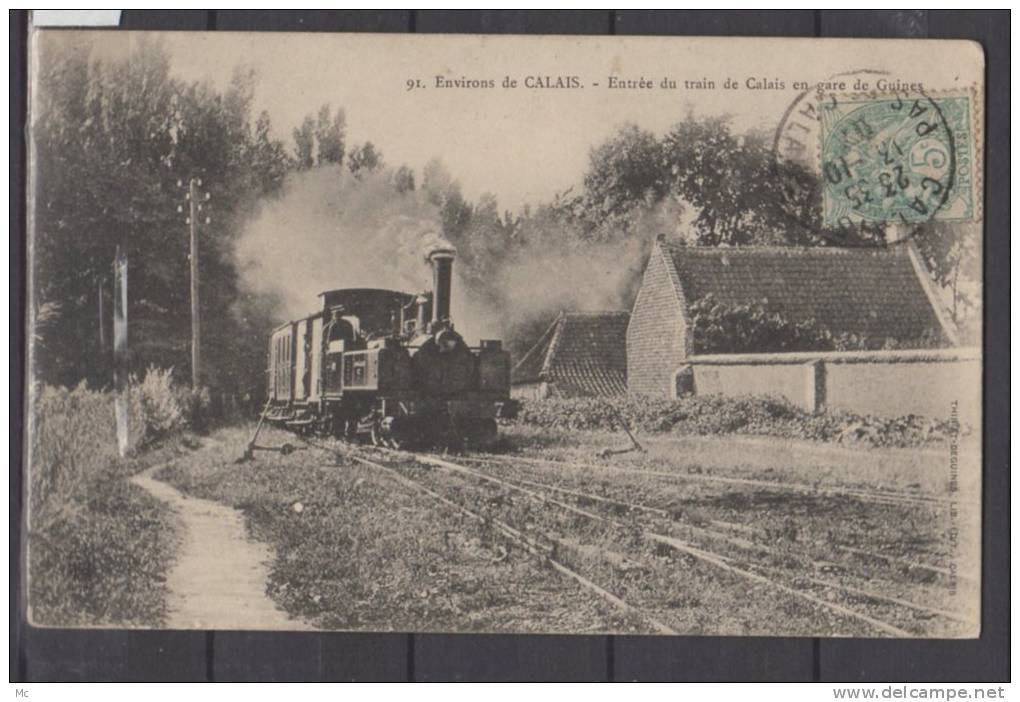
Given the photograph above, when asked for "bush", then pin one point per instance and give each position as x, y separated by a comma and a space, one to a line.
752, 328
162, 410
98, 545
717, 415
755, 328
73, 433
166, 408
103, 562
72, 438
195, 406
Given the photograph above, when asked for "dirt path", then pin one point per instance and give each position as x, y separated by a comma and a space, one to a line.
219, 578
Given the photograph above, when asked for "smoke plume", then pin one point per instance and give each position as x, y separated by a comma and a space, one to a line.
330, 229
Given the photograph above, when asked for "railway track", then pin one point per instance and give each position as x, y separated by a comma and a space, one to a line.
721, 527
708, 555
742, 568
904, 563
878, 496
521, 539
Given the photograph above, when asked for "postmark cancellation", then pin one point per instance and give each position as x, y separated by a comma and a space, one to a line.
899, 158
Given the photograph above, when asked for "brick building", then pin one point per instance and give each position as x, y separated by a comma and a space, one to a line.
581, 354
871, 293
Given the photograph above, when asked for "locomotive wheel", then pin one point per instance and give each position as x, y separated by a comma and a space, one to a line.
377, 439
401, 443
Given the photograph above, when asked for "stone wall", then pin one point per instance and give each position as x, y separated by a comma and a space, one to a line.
879, 383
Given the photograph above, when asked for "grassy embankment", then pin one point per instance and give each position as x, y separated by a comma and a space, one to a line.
98, 546
713, 415
356, 551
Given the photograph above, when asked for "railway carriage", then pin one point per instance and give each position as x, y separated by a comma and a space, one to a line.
388, 366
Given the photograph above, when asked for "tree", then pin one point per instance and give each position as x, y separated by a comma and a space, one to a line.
481, 240
455, 214
624, 172
364, 158
269, 158
952, 252
111, 139
320, 140
331, 135
727, 180
403, 180
737, 192
304, 144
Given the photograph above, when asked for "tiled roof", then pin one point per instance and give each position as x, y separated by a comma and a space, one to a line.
529, 368
873, 293
581, 354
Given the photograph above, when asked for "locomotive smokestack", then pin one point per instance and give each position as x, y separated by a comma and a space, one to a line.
441, 257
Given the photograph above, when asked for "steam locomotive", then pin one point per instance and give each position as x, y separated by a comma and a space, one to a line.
388, 366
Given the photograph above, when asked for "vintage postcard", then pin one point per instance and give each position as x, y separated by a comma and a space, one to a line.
505, 334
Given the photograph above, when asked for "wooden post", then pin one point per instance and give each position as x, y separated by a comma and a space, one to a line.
814, 386
120, 352
196, 378
102, 318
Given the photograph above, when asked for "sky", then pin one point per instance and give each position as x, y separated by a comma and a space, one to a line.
526, 144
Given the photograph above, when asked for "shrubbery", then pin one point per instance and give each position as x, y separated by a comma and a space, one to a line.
162, 410
104, 560
98, 544
166, 408
720, 327
751, 328
74, 433
717, 415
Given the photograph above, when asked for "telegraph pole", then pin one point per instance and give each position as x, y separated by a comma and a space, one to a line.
195, 200
196, 380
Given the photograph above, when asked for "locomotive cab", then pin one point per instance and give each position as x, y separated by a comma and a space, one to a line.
390, 365
341, 335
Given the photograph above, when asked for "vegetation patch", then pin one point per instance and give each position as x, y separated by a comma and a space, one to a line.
356, 551
756, 327
716, 415
99, 545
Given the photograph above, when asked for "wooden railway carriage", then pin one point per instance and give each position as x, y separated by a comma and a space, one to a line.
388, 365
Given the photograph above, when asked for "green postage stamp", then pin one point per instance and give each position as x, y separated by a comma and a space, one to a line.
899, 159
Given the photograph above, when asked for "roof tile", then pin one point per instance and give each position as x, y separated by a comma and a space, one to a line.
581, 354
873, 293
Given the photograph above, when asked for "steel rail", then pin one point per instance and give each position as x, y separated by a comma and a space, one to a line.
881, 496
744, 543
712, 557
750, 545
521, 539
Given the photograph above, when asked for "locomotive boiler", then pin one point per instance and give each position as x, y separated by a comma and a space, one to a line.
389, 366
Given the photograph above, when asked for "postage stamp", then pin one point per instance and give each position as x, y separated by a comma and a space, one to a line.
897, 159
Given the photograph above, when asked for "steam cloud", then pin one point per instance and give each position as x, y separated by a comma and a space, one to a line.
329, 230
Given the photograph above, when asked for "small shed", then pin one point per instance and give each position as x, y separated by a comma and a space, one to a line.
879, 293
581, 354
